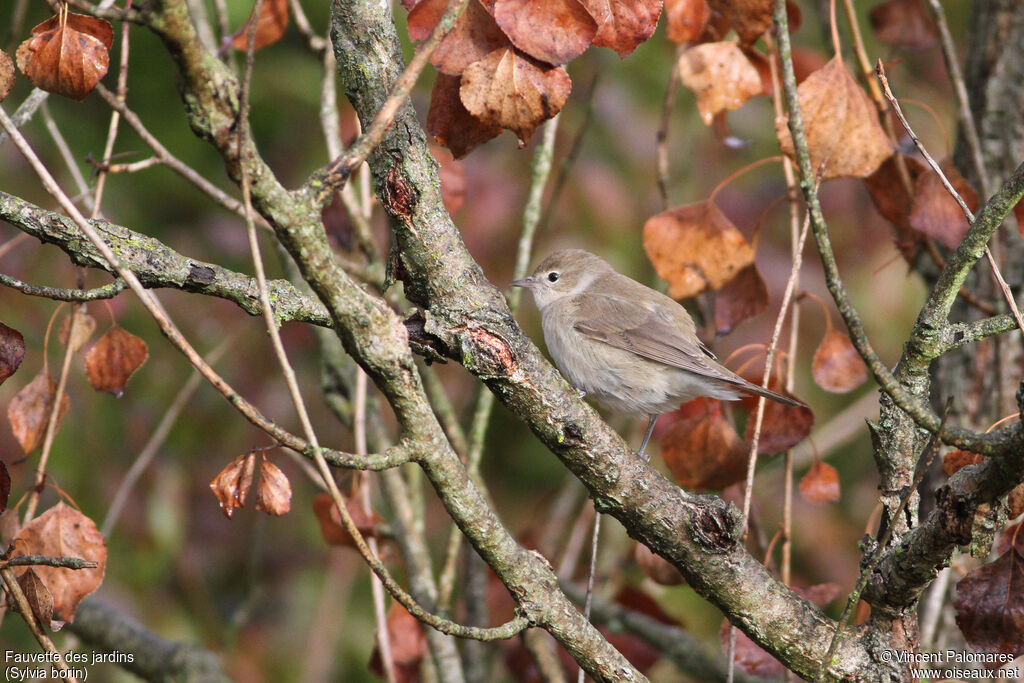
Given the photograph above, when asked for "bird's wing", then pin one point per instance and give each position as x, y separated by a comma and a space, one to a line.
647, 332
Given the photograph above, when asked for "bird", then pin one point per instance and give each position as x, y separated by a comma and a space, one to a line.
633, 349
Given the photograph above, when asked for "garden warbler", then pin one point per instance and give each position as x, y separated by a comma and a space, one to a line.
633, 349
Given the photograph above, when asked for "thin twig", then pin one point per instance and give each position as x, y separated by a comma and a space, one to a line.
48, 561
1007, 294
671, 90
108, 291
338, 172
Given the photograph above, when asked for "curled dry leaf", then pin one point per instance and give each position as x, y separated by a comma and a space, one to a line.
513, 91
686, 19
750, 18
232, 484
623, 24
893, 202
695, 247
270, 26
837, 367
553, 31
990, 606
12, 351
957, 459
844, 137
449, 122
474, 36
935, 212
748, 655
782, 427
330, 520
29, 410
656, 567
85, 325
742, 298
274, 492
721, 77
39, 598
408, 646
703, 450
820, 484
6, 75
67, 54
63, 531
112, 360
905, 24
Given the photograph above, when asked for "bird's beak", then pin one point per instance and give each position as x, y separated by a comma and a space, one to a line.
525, 282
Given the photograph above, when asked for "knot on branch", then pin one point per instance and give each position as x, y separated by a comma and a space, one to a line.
422, 343
400, 196
485, 354
716, 525
957, 514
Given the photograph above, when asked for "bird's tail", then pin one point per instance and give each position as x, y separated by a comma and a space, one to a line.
767, 393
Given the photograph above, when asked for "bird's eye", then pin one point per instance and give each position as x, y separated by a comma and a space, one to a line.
553, 276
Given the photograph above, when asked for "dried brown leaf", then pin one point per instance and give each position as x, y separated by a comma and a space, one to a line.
12, 351
270, 26
330, 520
623, 24
39, 598
837, 367
63, 531
113, 359
905, 24
656, 567
552, 31
274, 492
695, 247
67, 57
29, 410
408, 646
935, 212
892, 201
451, 124
6, 75
742, 298
782, 427
721, 77
85, 325
513, 91
703, 450
686, 19
474, 36
957, 459
232, 484
990, 606
841, 124
750, 18
820, 484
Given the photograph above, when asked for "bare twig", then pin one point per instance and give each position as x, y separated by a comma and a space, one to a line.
108, 291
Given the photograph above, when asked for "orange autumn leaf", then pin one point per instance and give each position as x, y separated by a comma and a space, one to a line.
113, 360
408, 642
820, 484
38, 596
721, 77
6, 75
844, 137
703, 450
750, 18
451, 124
67, 54
990, 606
686, 19
935, 212
85, 325
513, 91
270, 26
782, 426
553, 31
623, 24
274, 492
893, 201
63, 531
474, 36
232, 484
331, 527
695, 247
29, 410
837, 367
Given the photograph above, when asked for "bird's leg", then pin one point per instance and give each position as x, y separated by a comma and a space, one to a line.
651, 419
